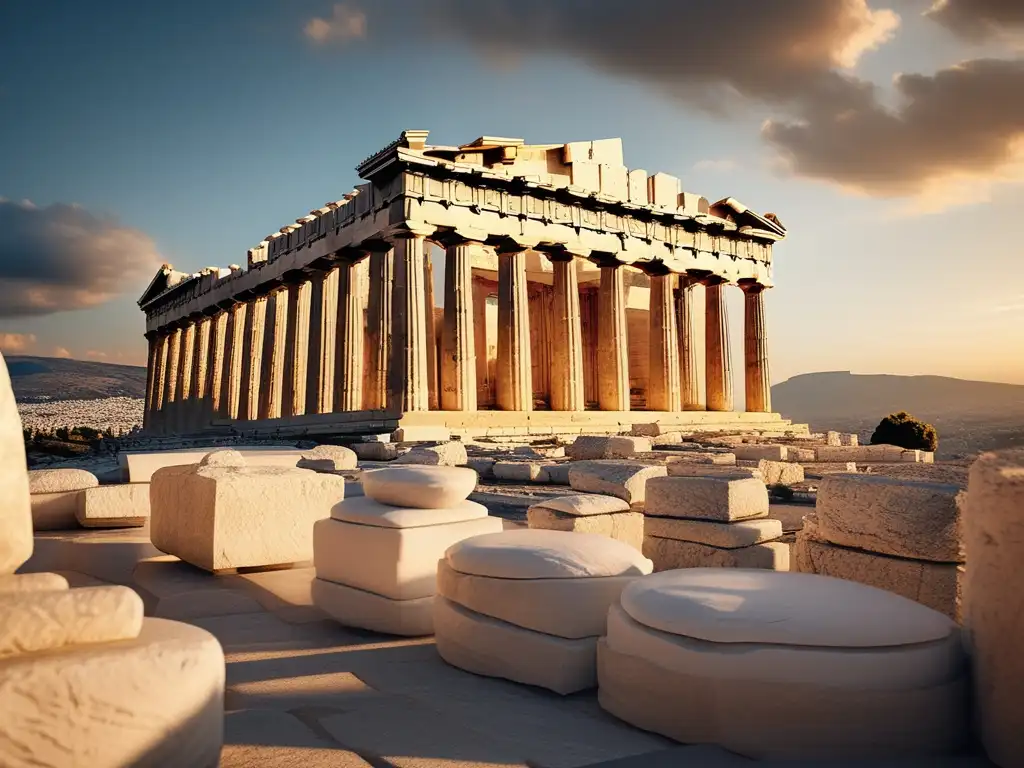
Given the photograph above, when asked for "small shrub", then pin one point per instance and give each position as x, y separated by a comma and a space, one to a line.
904, 430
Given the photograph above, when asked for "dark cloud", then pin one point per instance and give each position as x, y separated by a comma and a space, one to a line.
979, 20
62, 258
793, 56
961, 120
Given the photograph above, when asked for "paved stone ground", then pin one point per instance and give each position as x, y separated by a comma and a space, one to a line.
304, 692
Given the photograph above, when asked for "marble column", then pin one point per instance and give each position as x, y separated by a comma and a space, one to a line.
182, 421
322, 324
689, 368
407, 374
252, 360
514, 369
718, 362
458, 339
349, 331
380, 316
430, 326
612, 353
170, 405
233, 356
297, 348
153, 344
199, 411
663, 383
157, 420
566, 337
274, 347
757, 380
218, 353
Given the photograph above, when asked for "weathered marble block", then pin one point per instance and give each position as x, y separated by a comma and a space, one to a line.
227, 515
715, 499
524, 605
452, 454
994, 616
896, 517
588, 447
784, 666
627, 527
742, 533
329, 458
55, 494
693, 469
780, 472
15, 507
152, 700
935, 585
419, 486
375, 451
521, 471
625, 446
670, 554
625, 479
114, 506
757, 452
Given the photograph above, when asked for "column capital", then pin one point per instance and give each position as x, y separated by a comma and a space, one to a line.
410, 229
655, 268
607, 259
751, 286
563, 251
449, 236
511, 244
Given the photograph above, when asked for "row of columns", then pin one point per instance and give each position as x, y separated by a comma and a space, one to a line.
300, 349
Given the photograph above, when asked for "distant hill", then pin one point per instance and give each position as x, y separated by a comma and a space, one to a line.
39, 379
970, 416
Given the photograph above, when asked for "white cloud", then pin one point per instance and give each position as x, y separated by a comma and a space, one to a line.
347, 23
16, 342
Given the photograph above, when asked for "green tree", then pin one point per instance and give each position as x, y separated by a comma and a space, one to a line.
904, 430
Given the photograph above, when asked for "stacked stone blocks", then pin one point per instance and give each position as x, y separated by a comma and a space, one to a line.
694, 522
897, 535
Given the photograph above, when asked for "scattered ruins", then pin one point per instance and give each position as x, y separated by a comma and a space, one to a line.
572, 287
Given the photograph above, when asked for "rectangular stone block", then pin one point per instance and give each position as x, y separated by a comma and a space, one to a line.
780, 472
716, 499
521, 471
668, 554
587, 447
114, 506
742, 533
691, 469
758, 452
376, 451
424, 434
624, 479
936, 585
895, 517
820, 469
139, 467
638, 187
225, 517
626, 446
627, 527
799, 454
54, 511
614, 181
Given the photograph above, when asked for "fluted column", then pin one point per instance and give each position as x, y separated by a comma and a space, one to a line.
170, 406
218, 353
663, 384
612, 353
233, 356
297, 349
152, 343
252, 359
430, 332
274, 347
380, 316
514, 374
159, 384
349, 331
182, 420
757, 380
690, 372
458, 339
199, 410
323, 319
718, 363
566, 337
407, 376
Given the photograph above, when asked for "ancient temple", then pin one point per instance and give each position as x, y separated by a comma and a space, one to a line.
575, 292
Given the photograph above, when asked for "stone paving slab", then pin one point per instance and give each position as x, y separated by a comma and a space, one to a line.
274, 739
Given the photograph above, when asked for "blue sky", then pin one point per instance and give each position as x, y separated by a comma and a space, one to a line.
201, 127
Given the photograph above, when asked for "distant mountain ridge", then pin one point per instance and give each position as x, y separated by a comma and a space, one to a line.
39, 379
970, 416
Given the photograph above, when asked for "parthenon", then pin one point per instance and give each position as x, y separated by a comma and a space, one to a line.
571, 297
